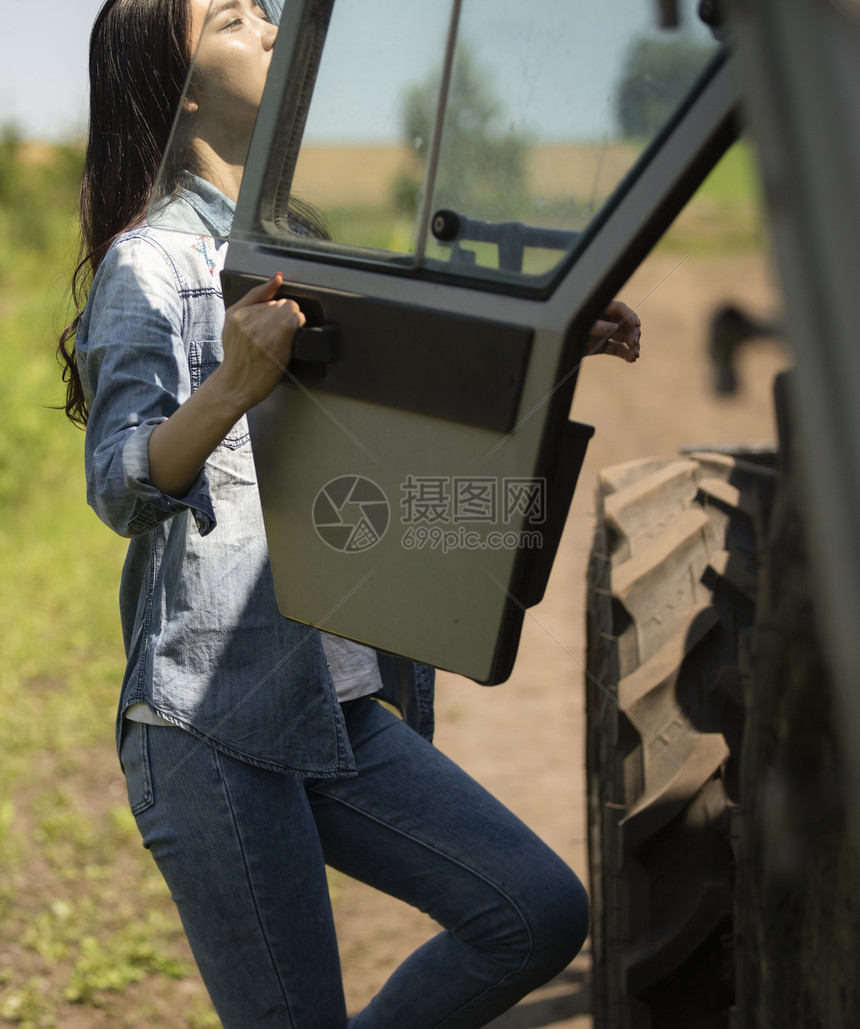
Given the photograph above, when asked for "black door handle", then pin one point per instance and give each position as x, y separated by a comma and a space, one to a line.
317, 343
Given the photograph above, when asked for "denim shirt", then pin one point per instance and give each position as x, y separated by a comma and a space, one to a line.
207, 648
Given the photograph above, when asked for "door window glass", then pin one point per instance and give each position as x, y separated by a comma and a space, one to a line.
478, 139
550, 107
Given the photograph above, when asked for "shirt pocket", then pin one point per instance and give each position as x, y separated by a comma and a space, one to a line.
204, 356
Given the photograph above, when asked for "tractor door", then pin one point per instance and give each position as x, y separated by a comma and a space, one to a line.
453, 191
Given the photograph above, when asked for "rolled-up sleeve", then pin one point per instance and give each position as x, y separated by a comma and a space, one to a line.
133, 363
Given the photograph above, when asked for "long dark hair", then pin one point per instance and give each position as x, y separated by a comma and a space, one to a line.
140, 55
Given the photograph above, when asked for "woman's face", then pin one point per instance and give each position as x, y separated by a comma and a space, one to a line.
234, 44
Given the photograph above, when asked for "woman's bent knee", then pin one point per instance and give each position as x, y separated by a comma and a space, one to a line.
559, 925
538, 932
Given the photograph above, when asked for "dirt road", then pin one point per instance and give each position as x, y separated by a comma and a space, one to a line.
524, 740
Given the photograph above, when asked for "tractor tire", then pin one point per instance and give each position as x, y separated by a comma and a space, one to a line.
797, 910
673, 583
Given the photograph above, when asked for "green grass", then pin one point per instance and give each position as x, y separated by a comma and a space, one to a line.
85, 921
724, 215
734, 181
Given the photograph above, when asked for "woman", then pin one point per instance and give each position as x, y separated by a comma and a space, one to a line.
253, 750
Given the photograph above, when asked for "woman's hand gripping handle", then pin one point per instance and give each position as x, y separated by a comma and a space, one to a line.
257, 340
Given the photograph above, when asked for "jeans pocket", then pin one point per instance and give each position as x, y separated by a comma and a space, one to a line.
134, 759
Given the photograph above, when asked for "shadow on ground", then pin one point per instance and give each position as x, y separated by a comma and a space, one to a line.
565, 997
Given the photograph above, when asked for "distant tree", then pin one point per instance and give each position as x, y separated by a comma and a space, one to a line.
482, 170
659, 74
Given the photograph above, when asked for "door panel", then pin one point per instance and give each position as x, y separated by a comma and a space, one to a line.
436, 577
428, 361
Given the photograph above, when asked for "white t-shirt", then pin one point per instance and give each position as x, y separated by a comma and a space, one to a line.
353, 666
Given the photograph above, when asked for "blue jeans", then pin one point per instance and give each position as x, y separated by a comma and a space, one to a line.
244, 850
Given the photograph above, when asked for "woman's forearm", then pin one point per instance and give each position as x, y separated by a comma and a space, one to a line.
180, 446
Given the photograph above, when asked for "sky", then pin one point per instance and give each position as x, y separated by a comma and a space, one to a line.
43, 62
43, 66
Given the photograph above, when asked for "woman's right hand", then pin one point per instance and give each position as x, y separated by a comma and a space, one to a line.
257, 337
257, 340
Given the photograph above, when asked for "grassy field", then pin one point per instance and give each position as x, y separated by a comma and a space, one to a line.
86, 931
88, 935
356, 187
